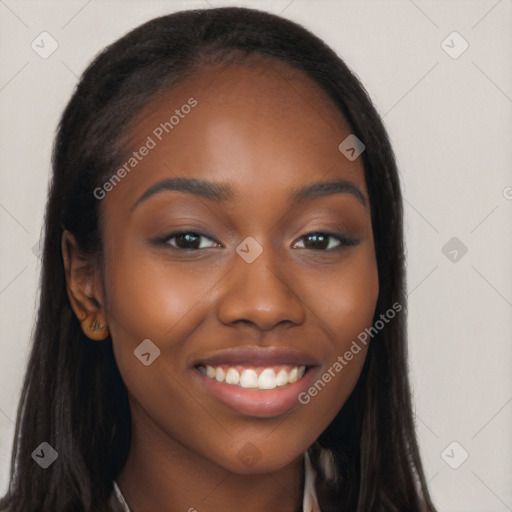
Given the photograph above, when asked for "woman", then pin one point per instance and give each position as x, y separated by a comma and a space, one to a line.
222, 312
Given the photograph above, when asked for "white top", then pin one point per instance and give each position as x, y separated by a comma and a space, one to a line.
309, 501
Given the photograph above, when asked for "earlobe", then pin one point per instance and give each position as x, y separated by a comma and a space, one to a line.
96, 331
84, 288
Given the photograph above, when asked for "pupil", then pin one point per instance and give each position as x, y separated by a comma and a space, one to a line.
188, 239
319, 241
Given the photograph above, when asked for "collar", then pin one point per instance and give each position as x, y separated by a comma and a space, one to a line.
309, 500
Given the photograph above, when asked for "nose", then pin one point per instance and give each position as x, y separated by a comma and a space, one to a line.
259, 293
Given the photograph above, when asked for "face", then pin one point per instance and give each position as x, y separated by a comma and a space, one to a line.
253, 272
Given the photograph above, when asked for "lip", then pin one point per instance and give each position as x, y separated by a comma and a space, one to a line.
257, 356
257, 403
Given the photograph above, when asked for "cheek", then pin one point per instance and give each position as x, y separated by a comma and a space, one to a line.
346, 302
149, 298
347, 298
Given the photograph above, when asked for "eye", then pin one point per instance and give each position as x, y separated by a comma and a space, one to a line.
325, 241
188, 240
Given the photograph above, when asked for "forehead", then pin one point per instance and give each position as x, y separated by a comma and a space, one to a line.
257, 121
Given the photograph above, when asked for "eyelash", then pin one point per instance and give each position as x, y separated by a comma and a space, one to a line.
343, 239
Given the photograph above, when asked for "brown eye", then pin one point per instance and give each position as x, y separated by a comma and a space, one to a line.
189, 240
325, 241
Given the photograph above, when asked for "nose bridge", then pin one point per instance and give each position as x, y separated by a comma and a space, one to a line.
257, 290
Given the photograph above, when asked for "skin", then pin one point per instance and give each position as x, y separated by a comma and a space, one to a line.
266, 130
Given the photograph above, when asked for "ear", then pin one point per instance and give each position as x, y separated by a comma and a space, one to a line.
84, 287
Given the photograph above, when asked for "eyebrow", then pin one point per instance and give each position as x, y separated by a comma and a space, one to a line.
220, 193
328, 188
202, 188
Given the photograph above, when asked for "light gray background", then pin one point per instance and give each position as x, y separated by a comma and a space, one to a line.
450, 121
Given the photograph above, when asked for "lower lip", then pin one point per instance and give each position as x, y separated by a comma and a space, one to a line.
260, 403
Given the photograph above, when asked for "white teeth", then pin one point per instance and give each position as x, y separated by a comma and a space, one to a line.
267, 379
282, 378
249, 379
219, 374
232, 377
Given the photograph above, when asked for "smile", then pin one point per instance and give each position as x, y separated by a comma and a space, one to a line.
255, 377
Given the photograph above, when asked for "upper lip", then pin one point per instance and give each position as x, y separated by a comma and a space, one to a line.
257, 356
